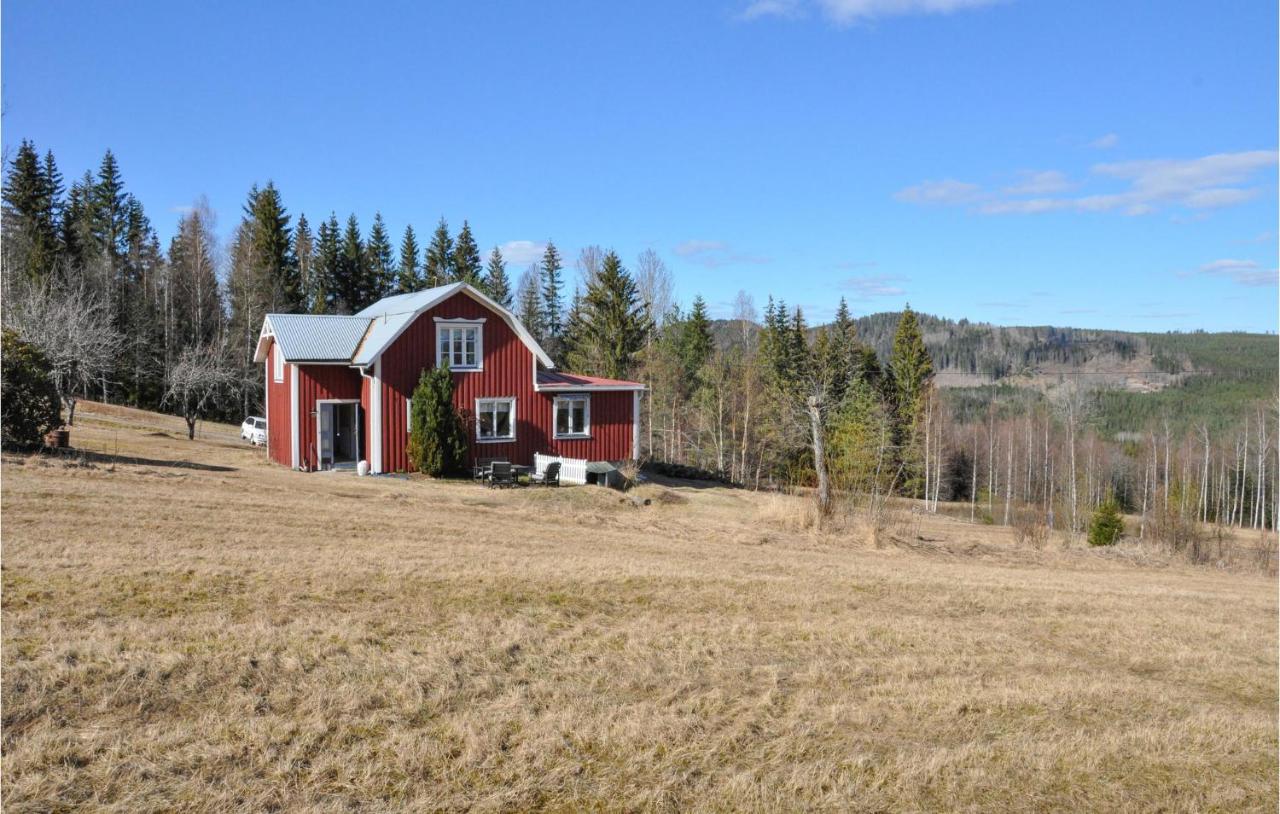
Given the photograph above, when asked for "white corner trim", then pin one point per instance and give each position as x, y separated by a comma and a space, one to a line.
294, 418
266, 405
635, 426
512, 400
375, 420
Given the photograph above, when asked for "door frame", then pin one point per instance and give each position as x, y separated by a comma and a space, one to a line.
356, 427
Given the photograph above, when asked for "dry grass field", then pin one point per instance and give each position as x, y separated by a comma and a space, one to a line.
186, 627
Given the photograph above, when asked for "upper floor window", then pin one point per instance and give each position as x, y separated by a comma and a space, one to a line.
572, 416
496, 419
459, 344
277, 359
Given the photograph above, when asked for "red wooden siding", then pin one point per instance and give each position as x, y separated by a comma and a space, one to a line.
508, 372
610, 427
317, 382
279, 438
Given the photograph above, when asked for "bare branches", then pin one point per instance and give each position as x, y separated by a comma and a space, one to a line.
73, 328
203, 375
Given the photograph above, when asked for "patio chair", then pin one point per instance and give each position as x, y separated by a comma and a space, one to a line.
481, 470
549, 477
501, 475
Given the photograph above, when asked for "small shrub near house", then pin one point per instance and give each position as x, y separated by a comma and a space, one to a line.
437, 435
1107, 524
29, 407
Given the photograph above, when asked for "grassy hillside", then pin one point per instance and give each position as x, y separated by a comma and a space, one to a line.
186, 627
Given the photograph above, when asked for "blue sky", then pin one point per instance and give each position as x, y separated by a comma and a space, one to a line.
1107, 164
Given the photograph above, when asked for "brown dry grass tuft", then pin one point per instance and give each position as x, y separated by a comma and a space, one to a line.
240, 637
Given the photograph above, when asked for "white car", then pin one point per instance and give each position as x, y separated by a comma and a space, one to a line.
254, 430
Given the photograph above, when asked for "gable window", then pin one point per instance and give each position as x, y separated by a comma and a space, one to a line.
573, 416
458, 344
277, 359
495, 420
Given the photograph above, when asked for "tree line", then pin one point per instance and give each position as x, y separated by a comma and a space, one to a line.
761, 400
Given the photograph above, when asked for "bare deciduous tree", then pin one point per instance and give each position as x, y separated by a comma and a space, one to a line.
73, 329
203, 376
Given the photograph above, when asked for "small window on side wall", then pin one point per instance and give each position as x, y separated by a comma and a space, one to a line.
277, 359
572, 416
495, 420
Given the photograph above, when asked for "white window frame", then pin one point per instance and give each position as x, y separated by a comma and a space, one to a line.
408, 415
506, 439
460, 324
585, 398
277, 359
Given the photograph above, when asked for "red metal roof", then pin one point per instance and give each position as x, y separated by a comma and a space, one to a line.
559, 380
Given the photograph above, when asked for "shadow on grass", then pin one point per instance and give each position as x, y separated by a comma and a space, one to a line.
89, 456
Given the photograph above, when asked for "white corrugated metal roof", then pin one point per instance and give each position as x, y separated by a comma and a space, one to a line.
412, 302
317, 337
359, 339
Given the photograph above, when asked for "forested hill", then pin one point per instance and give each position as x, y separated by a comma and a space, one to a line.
1136, 378
971, 353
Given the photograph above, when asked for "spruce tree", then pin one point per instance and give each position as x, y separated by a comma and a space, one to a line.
579, 353
380, 260
352, 284
1107, 526
529, 303
30, 220
551, 287
409, 278
695, 340
496, 283
304, 252
437, 435
465, 264
910, 372
328, 266
275, 271
439, 257
616, 322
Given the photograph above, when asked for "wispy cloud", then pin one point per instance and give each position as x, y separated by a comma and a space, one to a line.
947, 192
522, 252
1105, 142
854, 265
1209, 182
1244, 272
715, 254
848, 12
1046, 182
871, 286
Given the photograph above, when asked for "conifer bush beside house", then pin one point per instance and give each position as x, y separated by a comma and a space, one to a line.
437, 437
1107, 525
29, 407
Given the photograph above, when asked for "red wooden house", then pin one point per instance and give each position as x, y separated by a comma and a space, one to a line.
338, 387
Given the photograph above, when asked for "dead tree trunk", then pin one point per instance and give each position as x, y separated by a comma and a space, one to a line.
814, 403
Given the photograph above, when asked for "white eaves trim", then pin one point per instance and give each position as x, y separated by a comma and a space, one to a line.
588, 388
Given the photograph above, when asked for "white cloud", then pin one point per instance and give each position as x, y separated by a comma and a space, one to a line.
522, 252
1040, 183
715, 253
771, 8
1210, 182
1244, 272
870, 286
947, 192
848, 12
1105, 142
